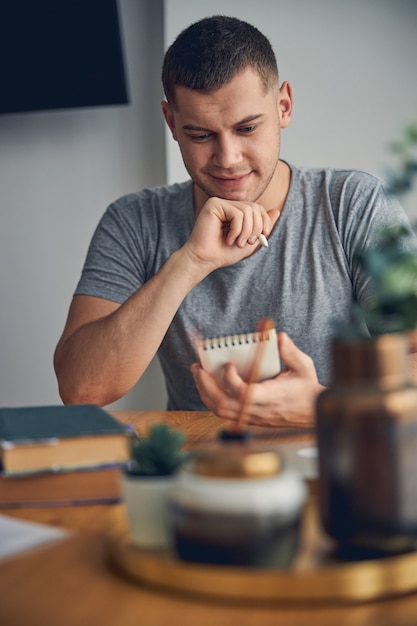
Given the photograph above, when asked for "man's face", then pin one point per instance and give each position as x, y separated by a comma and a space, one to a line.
230, 138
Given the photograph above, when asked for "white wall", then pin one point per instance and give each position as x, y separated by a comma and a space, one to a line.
352, 65
58, 172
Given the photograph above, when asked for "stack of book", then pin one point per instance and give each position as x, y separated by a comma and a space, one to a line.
61, 455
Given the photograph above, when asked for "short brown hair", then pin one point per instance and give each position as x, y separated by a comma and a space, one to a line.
209, 53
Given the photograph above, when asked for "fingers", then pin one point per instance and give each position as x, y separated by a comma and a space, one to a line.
294, 358
245, 220
232, 382
245, 223
223, 400
226, 232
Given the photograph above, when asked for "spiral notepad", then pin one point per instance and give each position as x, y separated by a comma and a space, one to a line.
241, 349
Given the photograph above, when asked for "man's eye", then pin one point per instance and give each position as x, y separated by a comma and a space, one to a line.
201, 136
247, 129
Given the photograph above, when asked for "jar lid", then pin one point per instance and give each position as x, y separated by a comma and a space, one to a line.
238, 461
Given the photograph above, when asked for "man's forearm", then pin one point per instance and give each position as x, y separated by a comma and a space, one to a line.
102, 359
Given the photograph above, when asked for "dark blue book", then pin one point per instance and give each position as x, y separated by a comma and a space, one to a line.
38, 438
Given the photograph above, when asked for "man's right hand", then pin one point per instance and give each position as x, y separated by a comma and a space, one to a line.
227, 231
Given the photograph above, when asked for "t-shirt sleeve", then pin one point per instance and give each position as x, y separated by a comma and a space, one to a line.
114, 267
371, 211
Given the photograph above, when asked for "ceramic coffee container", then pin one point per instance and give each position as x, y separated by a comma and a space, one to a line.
237, 505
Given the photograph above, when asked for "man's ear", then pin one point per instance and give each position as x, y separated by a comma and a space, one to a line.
169, 118
285, 104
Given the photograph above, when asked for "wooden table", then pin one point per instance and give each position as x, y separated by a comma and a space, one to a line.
72, 584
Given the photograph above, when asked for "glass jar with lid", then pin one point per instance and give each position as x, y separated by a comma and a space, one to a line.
237, 505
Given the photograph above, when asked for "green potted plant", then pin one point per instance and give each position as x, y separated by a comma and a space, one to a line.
367, 418
393, 272
401, 177
391, 268
147, 480
366, 433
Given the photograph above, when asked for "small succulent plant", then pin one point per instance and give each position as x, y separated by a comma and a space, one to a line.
158, 454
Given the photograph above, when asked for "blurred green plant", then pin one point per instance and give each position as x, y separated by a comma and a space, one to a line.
158, 454
391, 268
401, 179
393, 271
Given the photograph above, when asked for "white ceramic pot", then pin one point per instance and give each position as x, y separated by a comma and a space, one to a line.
146, 506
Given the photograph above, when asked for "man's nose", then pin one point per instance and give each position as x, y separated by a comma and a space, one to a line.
228, 152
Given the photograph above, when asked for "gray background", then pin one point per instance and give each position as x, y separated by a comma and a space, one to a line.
352, 66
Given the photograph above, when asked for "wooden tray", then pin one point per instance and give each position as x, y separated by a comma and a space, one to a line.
314, 577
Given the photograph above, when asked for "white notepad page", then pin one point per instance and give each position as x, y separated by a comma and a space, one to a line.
241, 349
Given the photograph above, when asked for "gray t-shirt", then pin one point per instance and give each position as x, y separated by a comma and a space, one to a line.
304, 280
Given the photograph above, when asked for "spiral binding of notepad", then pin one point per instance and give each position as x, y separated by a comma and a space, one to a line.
236, 340
240, 349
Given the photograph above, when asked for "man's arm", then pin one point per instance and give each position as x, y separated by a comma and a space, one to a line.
106, 347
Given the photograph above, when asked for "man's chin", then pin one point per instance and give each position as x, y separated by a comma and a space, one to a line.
237, 195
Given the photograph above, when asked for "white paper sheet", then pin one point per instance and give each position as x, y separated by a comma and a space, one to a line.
18, 536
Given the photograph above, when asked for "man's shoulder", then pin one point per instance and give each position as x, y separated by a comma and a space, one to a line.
336, 175
162, 195
342, 192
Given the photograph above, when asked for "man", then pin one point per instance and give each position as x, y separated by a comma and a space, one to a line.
169, 262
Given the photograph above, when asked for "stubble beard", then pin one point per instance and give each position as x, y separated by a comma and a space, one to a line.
252, 197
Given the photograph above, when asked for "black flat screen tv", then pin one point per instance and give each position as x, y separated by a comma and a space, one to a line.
57, 54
